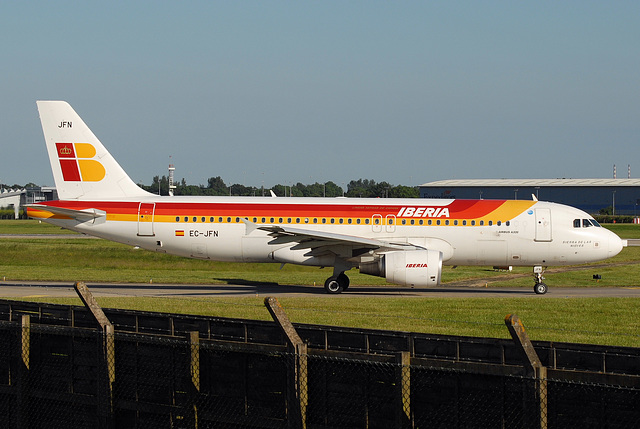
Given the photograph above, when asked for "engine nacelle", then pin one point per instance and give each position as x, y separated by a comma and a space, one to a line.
409, 268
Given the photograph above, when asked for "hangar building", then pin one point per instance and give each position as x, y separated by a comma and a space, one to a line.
17, 198
590, 195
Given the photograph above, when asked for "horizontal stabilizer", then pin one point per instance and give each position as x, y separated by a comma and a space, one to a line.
85, 215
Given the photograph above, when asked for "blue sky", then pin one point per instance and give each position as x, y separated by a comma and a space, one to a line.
280, 92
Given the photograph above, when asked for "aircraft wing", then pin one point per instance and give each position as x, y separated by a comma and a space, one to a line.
85, 215
311, 239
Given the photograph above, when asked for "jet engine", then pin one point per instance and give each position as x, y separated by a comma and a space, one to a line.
409, 268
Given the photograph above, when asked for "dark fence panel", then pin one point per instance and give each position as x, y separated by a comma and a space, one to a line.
237, 374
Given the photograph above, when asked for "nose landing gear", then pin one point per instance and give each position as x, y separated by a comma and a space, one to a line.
540, 288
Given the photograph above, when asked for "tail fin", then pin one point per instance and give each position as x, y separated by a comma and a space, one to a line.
82, 167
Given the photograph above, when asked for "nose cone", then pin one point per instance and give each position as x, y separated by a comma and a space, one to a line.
615, 244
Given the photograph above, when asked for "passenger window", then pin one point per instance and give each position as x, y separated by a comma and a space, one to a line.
212, 219
195, 219
177, 218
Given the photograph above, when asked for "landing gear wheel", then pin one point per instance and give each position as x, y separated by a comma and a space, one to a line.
540, 288
332, 285
344, 281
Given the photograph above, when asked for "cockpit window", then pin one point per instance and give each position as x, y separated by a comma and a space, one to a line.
585, 223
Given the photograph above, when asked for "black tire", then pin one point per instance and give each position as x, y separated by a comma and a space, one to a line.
343, 279
540, 288
332, 285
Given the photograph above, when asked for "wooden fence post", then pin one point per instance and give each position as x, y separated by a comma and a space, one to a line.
300, 363
22, 419
403, 383
194, 369
535, 367
105, 401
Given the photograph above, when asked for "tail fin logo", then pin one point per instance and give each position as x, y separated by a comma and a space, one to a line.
77, 164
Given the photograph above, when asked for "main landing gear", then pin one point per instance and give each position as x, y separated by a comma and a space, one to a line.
336, 284
540, 288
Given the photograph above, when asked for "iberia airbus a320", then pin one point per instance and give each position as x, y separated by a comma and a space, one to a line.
406, 241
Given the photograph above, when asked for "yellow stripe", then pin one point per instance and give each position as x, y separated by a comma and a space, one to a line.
508, 210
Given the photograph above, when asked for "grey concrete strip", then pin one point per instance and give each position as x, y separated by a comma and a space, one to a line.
13, 289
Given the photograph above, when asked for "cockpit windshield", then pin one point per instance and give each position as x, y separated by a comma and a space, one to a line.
585, 223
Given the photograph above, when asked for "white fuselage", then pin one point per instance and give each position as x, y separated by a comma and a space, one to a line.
527, 234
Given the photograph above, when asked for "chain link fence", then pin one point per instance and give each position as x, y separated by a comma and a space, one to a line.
62, 377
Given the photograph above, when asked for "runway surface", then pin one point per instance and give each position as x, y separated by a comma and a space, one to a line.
9, 289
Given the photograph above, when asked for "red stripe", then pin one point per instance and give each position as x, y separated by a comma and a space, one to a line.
458, 209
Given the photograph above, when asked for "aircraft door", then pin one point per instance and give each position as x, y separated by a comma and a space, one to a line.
145, 219
543, 225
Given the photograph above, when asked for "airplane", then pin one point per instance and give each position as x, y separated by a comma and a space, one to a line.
406, 241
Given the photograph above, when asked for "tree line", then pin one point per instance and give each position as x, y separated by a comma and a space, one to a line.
355, 189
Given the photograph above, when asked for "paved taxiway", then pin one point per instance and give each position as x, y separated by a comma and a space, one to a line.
50, 289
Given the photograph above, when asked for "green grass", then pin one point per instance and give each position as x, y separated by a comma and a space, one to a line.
612, 321
30, 227
73, 259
